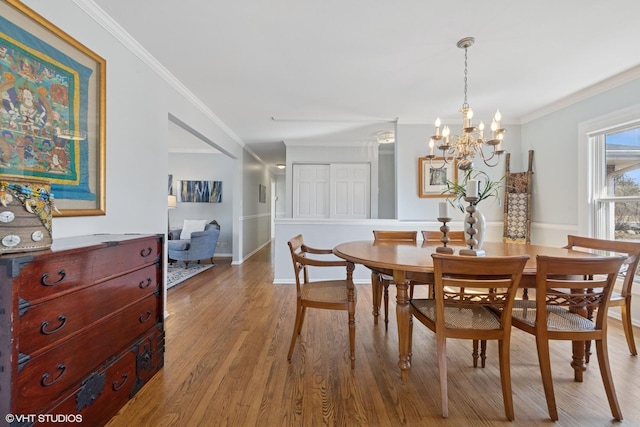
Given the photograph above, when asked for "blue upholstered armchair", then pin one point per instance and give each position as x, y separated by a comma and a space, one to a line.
201, 245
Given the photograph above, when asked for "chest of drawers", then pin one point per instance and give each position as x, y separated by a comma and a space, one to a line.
81, 327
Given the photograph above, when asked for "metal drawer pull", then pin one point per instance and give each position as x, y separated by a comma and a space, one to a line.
146, 252
45, 377
45, 276
144, 317
145, 285
43, 327
117, 386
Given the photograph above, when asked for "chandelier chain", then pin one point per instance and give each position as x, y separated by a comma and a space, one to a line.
465, 79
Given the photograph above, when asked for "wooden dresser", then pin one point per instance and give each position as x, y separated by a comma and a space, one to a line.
81, 328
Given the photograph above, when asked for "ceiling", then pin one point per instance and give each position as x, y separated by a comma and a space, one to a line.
342, 71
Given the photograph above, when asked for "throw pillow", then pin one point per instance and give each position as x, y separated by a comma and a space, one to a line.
191, 226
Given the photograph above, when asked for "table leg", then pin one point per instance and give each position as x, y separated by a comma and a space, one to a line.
376, 289
403, 319
578, 358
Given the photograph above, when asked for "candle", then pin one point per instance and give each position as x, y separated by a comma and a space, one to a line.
443, 210
438, 126
472, 188
497, 118
481, 129
431, 147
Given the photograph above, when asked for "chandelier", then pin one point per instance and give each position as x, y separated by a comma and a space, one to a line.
464, 147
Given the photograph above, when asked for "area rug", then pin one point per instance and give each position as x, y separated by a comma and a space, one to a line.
177, 274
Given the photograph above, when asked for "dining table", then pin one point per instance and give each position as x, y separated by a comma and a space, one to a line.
409, 262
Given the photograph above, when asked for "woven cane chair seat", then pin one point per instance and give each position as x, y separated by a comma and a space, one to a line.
558, 318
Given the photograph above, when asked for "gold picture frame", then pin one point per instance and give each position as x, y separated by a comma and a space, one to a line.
433, 175
53, 110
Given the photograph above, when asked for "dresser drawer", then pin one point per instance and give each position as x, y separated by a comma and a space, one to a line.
103, 392
40, 379
44, 324
47, 277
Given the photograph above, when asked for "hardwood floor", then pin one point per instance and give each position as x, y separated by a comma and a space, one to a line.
227, 339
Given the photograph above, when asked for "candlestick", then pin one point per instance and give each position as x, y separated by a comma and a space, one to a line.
471, 231
444, 228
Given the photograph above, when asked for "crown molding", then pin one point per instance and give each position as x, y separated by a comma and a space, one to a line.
331, 143
586, 93
119, 33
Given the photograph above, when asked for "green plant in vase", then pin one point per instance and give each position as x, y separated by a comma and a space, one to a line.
456, 191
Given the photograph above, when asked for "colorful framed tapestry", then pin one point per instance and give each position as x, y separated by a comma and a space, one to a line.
433, 176
52, 110
200, 191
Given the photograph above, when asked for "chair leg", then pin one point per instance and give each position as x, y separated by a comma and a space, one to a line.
504, 358
376, 290
625, 310
483, 353
297, 327
352, 339
385, 285
442, 369
607, 379
544, 360
474, 353
352, 329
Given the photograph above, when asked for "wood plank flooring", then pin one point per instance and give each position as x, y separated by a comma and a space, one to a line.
227, 339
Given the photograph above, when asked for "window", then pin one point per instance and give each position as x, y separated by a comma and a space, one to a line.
616, 182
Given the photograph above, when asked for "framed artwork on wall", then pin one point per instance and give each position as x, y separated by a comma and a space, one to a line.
433, 176
262, 193
199, 191
52, 115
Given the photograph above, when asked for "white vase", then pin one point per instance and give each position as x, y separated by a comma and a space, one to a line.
479, 225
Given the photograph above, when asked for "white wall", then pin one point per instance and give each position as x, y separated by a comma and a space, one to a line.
281, 196
256, 218
386, 182
558, 186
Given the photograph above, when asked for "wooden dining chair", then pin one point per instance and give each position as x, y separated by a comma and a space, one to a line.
380, 282
479, 351
327, 294
565, 289
434, 236
628, 271
483, 314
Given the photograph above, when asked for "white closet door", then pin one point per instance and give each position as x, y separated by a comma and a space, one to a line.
350, 195
311, 191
